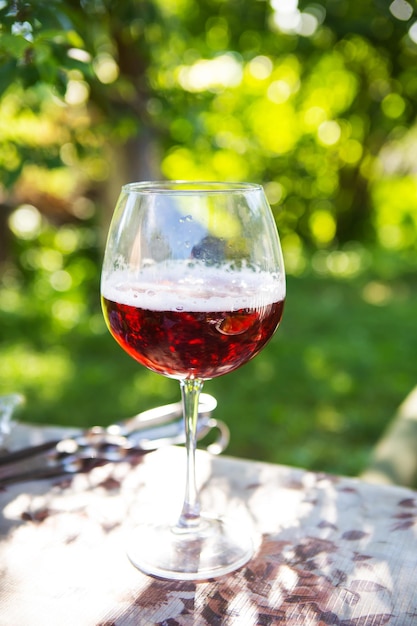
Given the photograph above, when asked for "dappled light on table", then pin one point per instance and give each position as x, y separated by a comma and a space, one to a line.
330, 550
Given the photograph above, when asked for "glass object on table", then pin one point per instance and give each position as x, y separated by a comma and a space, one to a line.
193, 287
8, 405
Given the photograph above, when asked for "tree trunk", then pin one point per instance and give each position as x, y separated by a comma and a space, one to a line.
134, 161
354, 208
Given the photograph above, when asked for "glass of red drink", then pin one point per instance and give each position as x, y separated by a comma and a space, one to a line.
193, 287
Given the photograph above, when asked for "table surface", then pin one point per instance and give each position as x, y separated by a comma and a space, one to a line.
331, 551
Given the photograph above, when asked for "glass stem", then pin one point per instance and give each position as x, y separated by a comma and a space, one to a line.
190, 391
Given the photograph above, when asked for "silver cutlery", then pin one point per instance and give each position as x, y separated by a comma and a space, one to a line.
128, 439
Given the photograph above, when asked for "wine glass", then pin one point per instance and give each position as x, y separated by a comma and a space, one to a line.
192, 287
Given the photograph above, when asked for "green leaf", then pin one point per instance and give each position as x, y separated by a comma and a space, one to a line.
13, 45
7, 75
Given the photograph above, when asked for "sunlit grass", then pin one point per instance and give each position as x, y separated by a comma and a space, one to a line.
41, 374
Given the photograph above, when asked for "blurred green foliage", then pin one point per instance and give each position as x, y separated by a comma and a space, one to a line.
315, 100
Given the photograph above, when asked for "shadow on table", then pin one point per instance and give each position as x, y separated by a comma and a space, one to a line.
332, 553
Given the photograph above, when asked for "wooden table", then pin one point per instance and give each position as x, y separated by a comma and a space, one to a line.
331, 551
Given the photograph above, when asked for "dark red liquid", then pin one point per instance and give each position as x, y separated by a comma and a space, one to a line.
183, 344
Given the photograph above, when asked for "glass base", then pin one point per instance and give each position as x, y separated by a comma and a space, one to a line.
214, 548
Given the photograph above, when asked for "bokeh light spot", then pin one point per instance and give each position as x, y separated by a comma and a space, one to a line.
26, 222
323, 226
401, 9
329, 133
393, 105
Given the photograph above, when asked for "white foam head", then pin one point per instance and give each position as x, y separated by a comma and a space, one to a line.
193, 287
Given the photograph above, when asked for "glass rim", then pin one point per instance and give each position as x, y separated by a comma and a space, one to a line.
189, 187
